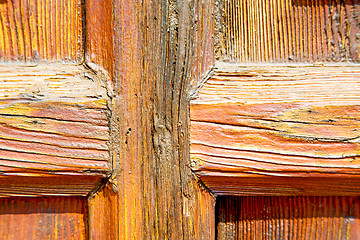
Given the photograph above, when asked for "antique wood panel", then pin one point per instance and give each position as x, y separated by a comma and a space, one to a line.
53, 126
43, 218
157, 49
46, 31
288, 31
260, 130
288, 218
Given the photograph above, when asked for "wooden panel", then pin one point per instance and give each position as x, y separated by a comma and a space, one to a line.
289, 31
41, 30
43, 218
293, 122
53, 122
288, 218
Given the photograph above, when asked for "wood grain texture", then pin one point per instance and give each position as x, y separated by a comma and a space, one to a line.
202, 61
103, 218
288, 31
255, 124
41, 30
43, 218
53, 122
173, 34
288, 218
99, 32
159, 47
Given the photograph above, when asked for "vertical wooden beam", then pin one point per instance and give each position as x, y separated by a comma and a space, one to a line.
159, 49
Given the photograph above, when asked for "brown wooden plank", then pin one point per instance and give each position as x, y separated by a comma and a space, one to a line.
53, 122
254, 123
158, 49
288, 218
43, 218
288, 31
45, 31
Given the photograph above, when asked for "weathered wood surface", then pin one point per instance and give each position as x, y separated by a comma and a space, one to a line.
45, 31
53, 123
43, 218
264, 130
158, 48
288, 218
288, 30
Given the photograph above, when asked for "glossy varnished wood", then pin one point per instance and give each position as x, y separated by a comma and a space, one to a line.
37, 30
288, 218
53, 123
288, 31
43, 218
260, 130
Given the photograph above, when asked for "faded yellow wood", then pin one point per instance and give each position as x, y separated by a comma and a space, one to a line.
254, 128
53, 122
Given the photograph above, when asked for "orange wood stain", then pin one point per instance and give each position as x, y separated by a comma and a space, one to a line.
41, 30
43, 218
53, 122
280, 122
288, 31
288, 218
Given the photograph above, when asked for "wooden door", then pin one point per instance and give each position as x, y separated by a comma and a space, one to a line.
131, 119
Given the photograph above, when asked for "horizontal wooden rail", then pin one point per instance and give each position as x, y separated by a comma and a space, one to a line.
278, 130
53, 130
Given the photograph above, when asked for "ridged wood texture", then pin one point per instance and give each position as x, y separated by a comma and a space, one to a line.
288, 218
53, 124
43, 218
41, 30
278, 130
289, 31
158, 48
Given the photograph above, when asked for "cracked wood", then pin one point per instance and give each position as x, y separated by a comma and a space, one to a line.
53, 130
278, 130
